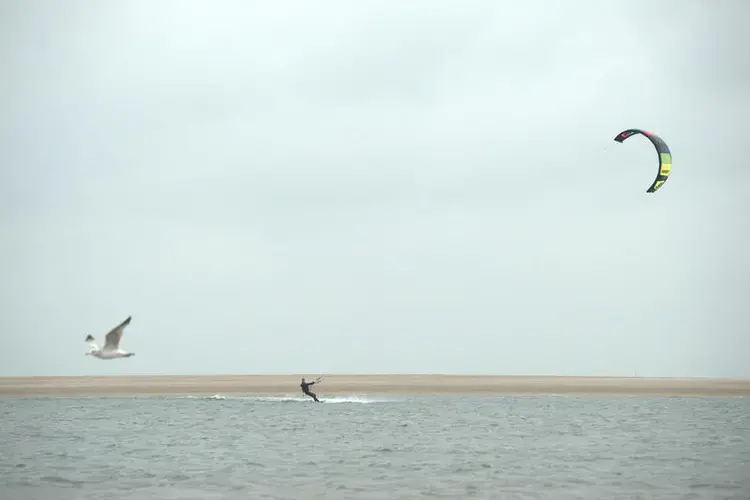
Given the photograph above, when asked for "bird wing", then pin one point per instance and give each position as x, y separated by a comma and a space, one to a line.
113, 337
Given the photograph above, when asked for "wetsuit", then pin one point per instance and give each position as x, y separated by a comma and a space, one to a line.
306, 389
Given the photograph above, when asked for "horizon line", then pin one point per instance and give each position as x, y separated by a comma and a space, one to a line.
385, 374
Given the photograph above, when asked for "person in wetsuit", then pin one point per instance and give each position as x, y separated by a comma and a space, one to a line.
306, 389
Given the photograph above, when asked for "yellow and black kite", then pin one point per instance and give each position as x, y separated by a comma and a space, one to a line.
665, 156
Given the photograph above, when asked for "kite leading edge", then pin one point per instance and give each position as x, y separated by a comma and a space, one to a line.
665, 156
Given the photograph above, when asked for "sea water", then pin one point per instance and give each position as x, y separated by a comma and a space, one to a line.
513, 447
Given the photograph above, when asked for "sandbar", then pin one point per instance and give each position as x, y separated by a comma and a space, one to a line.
363, 385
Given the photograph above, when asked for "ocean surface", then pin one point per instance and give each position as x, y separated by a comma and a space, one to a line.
454, 447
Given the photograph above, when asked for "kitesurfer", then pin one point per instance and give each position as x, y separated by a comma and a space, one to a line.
306, 388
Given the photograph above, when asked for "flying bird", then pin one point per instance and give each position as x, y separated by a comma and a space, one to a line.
111, 349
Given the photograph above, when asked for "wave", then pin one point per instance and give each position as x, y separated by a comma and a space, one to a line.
353, 399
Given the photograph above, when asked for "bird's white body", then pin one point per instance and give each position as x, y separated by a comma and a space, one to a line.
111, 348
103, 354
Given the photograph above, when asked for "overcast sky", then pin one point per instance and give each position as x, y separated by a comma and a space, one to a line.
374, 186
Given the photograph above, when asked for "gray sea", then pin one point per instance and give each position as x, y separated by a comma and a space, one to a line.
206, 448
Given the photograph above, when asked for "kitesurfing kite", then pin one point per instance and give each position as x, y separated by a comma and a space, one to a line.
665, 156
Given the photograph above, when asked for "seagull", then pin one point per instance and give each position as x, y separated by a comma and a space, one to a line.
111, 349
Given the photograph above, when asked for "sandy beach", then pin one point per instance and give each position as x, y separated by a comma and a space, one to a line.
280, 385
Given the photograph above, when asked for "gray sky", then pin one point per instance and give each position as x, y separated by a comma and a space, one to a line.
301, 187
